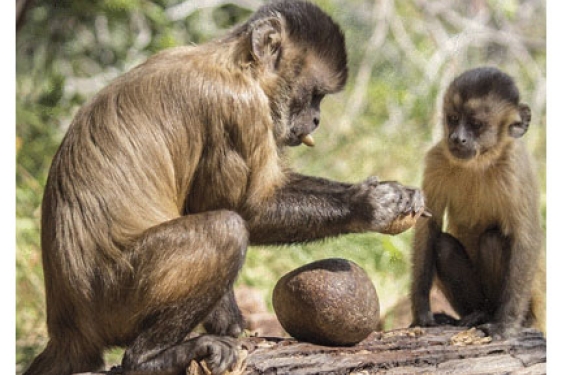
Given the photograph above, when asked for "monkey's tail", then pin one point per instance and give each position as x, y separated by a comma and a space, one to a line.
64, 359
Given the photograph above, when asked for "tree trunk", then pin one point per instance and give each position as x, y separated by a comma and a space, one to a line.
438, 350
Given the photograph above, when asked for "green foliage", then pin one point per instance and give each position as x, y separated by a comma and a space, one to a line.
402, 54
382, 257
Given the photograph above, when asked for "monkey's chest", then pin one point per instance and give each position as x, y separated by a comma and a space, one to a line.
473, 210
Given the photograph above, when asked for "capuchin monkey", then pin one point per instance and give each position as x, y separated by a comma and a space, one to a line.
483, 242
168, 174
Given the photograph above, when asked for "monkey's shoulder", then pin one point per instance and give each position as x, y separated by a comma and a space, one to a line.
438, 166
435, 155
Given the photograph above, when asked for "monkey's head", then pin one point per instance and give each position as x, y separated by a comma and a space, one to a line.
298, 55
481, 113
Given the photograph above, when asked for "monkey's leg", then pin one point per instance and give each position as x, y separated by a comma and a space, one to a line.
184, 267
459, 280
493, 257
423, 271
493, 260
67, 357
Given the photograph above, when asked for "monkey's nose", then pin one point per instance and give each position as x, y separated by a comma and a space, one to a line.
457, 140
316, 121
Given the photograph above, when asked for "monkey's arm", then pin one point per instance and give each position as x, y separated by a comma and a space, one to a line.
525, 251
423, 256
423, 264
308, 208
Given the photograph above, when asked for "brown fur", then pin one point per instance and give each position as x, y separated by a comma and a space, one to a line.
497, 188
167, 174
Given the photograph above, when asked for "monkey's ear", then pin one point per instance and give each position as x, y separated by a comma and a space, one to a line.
266, 40
518, 128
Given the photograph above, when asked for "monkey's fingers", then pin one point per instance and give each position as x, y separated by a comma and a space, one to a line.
426, 213
417, 202
237, 368
400, 225
307, 140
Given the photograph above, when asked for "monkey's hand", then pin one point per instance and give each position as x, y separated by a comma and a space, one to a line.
424, 320
226, 318
499, 331
387, 207
432, 320
220, 354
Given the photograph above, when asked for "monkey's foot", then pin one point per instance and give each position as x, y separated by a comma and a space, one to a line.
498, 331
219, 353
442, 319
474, 319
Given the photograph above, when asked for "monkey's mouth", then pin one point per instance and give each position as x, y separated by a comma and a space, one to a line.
297, 138
307, 140
462, 153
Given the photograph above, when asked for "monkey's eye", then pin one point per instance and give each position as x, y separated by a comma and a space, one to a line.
316, 99
453, 119
476, 125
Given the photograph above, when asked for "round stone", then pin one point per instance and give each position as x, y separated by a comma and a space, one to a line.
327, 302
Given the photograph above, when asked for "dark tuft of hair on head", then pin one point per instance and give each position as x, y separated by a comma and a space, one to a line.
482, 81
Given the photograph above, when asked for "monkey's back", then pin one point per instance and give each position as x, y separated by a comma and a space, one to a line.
125, 165
134, 157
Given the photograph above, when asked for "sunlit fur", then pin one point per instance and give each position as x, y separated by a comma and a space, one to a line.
191, 130
497, 188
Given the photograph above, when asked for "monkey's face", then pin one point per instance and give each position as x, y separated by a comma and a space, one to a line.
463, 132
473, 126
304, 117
296, 68
309, 86
482, 113
477, 125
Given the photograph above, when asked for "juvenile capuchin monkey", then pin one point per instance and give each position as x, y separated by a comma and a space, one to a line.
483, 242
169, 173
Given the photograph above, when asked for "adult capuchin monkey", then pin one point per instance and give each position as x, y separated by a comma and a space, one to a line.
167, 175
490, 261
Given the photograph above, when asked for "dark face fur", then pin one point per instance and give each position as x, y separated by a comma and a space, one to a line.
304, 118
304, 106
305, 51
468, 127
481, 109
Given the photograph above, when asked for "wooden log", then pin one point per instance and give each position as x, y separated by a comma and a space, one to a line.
438, 350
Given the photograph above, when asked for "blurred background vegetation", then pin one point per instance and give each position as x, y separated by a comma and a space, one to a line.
402, 55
